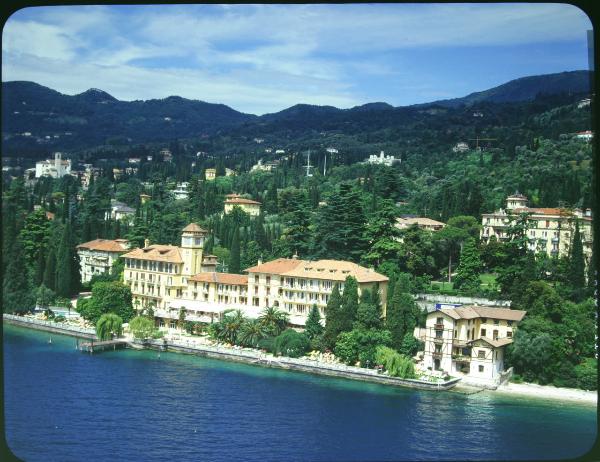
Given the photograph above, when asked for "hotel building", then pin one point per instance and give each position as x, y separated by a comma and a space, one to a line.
550, 229
171, 278
97, 256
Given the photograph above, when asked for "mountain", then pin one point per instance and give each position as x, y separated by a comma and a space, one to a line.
525, 89
94, 117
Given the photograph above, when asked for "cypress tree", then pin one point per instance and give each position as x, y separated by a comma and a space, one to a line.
333, 318
64, 264
234, 259
50, 269
368, 314
469, 268
39, 268
349, 303
577, 264
401, 317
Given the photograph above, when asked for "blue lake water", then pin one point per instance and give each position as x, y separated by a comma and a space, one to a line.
64, 405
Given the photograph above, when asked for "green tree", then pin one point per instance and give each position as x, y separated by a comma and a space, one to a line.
44, 296
50, 269
17, 294
67, 265
368, 314
313, 328
394, 363
251, 333
359, 345
410, 345
291, 344
349, 303
108, 326
273, 320
333, 318
382, 235
577, 266
142, 327
108, 297
401, 317
234, 259
469, 268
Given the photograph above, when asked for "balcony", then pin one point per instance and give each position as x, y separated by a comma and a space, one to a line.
461, 358
438, 339
439, 326
554, 239
459, 343
437, 354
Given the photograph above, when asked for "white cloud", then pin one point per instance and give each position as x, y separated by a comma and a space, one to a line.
260, 58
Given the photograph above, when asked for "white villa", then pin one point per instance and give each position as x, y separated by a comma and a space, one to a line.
56, 168
382, 159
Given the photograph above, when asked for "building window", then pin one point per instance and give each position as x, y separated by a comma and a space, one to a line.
268, 279
256, 278
495, 335
483, 320
509, 323
481, 354
480, 368
172, 324
455, 332
255, 301
438, 334
483, 332
509, 334
496, 322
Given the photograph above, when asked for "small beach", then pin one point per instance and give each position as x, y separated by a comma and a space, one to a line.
533, 390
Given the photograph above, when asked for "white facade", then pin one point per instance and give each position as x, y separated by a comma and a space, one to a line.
382, 159
96, 257
469, 341
460, 147
56, 168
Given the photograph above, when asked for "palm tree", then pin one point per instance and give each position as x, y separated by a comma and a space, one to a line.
251, 333
273, 320
232, 322
108, 326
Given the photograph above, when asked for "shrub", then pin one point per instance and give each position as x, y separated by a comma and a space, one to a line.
268, 344
396, 364
59, 318
141, 327
587, 374
291, 343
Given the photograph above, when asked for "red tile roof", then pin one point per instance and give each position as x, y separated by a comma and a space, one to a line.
221, 278
106, 245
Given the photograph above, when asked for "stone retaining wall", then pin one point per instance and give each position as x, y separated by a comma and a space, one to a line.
49, 326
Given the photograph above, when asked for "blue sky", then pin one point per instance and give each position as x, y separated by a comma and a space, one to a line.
265, 58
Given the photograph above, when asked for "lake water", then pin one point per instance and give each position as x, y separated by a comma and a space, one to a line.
64, 405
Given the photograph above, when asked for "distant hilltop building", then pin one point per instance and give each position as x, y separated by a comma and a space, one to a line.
551, 229
460, 147
166, 154
265, 167
120, 211
259, 140
427, 224
585, 135
583, 103
249, 206
332, 150
56, 168
181, 191
210, 174
382, 159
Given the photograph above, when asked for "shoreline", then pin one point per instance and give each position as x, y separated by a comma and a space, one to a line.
254, 357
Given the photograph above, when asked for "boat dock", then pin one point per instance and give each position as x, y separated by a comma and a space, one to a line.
94, 347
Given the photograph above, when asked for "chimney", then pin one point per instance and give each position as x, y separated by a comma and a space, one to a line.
259, 262
295, 256
146, 242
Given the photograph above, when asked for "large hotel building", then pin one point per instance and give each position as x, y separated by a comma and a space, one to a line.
171, 278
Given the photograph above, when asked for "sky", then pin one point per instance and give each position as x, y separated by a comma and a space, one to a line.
265, 58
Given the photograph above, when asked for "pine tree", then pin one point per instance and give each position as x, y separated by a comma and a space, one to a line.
333, 318
313, 327
235, 257
349, 303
